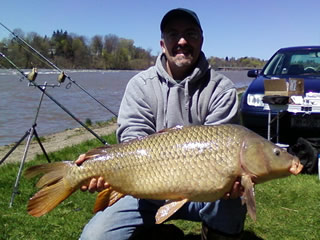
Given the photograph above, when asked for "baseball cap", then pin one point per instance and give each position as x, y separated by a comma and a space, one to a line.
179, 12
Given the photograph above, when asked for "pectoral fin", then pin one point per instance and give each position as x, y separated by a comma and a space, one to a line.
248, 196
168, 210
106, 198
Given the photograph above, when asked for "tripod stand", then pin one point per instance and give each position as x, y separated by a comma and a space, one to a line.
30, 133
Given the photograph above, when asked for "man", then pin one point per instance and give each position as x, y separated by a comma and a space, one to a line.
180, 89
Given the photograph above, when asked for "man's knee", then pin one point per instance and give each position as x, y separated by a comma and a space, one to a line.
96, 228
116, 222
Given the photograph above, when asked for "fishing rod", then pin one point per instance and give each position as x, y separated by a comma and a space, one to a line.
62, 73
31, 77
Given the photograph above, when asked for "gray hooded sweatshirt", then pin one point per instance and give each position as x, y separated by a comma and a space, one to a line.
154, 101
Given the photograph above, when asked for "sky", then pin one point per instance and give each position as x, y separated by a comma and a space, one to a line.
232, 28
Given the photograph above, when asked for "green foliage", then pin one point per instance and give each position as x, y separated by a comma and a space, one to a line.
287, 209
88, 122
17, 224
75, 52
232, 63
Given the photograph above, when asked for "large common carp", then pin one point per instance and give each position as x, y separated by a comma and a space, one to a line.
194, 163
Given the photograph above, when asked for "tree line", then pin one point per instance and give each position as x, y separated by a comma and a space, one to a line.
233, 63
75, 52
72, 51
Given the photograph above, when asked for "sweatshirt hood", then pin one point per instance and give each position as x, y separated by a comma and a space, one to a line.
181, 89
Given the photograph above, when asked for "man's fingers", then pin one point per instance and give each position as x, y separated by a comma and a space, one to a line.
93, 185
100, 184
235, 192
226, 196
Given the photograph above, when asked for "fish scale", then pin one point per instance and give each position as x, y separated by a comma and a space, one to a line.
152, 159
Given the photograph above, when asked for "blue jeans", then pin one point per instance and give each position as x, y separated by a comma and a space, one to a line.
119, 221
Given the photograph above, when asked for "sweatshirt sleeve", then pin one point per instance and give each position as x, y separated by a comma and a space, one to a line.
223, 104
224, 109
135, 117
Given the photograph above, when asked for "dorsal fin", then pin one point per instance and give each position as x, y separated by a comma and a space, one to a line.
170, 129
96, 151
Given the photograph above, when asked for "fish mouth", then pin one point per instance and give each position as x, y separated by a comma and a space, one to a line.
296, 166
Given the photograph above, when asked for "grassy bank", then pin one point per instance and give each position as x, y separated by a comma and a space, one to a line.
286, 208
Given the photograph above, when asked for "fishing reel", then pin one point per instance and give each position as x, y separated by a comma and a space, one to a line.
61, 77
31, 76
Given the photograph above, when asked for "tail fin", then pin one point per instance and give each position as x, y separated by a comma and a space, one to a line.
54, 187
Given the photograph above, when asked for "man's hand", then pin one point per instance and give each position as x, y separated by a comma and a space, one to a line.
236, 191
95, 184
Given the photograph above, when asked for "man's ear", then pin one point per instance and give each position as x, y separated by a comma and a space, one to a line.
162, 46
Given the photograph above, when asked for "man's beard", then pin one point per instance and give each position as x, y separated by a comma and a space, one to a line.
182, 56
182, 60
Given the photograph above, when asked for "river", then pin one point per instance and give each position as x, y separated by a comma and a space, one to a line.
19, 101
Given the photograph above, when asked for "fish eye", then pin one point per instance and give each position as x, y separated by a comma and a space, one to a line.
277, 151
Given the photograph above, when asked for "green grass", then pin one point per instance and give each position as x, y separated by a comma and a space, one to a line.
287, 208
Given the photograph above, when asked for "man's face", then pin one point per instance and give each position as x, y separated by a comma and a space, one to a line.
181, 43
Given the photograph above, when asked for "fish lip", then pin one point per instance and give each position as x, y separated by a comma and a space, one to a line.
296, 166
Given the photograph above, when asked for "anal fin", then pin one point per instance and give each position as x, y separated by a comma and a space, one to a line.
168, 210
106, 198
248, 196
